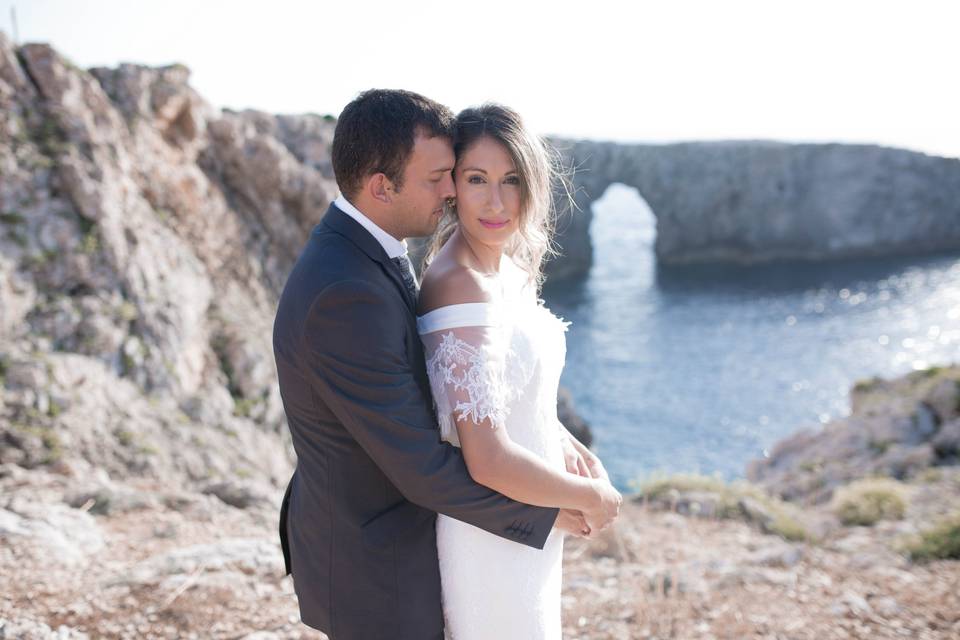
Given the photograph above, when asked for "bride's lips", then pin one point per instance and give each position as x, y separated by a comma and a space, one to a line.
490, 224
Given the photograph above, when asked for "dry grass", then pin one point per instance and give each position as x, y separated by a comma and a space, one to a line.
867, 501
732, 501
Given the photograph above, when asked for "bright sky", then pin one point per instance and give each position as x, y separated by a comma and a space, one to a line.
837, 70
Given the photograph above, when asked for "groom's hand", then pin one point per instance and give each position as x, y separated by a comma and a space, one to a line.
572, 522
580, 460
573, 458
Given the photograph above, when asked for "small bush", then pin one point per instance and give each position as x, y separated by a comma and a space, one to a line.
866, 501
931, 474
660, 487
869, 384
940, 542
774, 516
11, 218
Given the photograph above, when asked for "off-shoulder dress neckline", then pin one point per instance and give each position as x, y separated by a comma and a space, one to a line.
464, 314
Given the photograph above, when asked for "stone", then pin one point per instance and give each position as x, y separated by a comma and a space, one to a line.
108, 500
241, 495
944, 400
780, 556
856, 604
247, 556
22, 629
51, 533
754, 511
946, 443
572, 420
886, 606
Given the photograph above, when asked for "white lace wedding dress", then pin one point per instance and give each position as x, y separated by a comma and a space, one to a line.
500, 361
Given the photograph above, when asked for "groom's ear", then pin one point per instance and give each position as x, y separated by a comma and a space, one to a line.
380, 188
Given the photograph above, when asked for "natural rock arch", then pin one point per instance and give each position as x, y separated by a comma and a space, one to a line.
750, 202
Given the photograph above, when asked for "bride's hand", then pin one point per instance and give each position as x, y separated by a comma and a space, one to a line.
605, 506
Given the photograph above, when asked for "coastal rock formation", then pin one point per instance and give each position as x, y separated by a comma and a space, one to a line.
897, 428
753, 202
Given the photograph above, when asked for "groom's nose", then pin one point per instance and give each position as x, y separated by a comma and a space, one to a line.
447, 188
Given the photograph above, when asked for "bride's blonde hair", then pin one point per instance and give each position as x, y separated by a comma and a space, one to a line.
538, 166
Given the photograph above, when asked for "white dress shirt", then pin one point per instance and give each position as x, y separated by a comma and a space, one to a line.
391, 245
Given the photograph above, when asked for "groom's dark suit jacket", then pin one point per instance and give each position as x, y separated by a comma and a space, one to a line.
357, 521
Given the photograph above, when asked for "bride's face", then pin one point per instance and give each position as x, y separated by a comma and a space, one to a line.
488, 192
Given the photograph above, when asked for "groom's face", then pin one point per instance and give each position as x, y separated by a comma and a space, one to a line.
427, 184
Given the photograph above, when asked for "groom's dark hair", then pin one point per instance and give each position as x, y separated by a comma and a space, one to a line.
376, 131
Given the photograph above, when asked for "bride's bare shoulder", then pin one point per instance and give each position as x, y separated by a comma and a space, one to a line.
446, 282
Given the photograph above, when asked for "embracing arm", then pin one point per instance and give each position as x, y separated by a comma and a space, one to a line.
354, 345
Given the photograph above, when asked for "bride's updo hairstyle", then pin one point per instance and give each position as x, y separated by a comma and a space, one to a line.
537, 165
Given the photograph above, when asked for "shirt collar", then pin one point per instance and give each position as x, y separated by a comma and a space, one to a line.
391, 245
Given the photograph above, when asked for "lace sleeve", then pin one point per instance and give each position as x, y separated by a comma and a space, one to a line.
466, 367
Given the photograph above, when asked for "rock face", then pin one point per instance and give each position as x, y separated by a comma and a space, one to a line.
897, 428
144, 238
751, 202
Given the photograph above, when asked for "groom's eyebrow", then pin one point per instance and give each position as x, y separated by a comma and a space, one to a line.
443, 170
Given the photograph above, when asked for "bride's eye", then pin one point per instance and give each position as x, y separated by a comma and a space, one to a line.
512, 180
475, 179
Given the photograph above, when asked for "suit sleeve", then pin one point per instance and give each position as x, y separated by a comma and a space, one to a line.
356, 356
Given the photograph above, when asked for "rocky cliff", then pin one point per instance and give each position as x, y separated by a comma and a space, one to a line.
752, 202
144, 238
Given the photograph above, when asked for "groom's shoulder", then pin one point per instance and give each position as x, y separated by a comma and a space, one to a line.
328, 266
330, 255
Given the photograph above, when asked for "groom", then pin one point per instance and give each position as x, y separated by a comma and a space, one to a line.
357, 521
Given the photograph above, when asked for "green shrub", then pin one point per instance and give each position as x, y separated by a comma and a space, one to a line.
940, 542
866, 501
869, 384
11, 217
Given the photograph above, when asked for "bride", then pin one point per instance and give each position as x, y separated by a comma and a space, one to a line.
494, 356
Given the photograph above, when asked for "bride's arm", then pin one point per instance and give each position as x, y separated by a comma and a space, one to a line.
497, 462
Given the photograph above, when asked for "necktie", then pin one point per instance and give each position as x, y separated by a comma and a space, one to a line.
409, 277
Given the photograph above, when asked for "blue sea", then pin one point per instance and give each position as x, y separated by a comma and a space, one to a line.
700, 369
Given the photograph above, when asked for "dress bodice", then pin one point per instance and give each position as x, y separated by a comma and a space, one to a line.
499, 362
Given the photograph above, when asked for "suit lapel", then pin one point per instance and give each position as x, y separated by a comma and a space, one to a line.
341, 223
